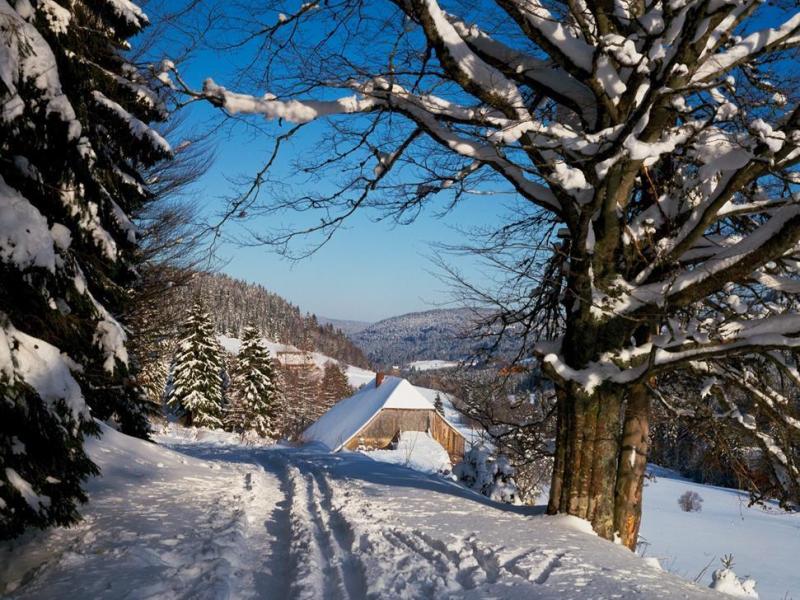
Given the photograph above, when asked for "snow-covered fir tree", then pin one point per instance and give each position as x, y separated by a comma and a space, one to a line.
153, 373
255, 398
74, 141
198, 372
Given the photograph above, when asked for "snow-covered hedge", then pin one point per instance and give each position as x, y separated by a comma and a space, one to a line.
492, 476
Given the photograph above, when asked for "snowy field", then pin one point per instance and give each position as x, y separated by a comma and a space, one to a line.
211, 518
432, 365
765, 543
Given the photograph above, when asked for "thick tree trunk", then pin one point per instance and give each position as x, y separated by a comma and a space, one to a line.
632, 465
587, 452
557, 482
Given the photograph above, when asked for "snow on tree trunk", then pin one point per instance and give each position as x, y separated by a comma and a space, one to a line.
663, 140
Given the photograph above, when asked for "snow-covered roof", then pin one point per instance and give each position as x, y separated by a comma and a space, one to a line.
347, 417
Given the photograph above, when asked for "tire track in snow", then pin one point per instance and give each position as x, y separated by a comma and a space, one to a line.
465, 561
342, 538
269, 532
536, 566
405, 561
310, 580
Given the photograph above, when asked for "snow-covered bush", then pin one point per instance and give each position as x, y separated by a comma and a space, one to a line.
416, 450
491, 476
690, 501
725, 580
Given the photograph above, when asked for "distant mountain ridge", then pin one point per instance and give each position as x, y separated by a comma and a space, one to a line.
347, 326
427, 335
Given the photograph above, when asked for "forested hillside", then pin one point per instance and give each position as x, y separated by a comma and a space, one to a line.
236, 304
433, 334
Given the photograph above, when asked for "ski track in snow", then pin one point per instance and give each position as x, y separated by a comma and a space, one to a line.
239, 522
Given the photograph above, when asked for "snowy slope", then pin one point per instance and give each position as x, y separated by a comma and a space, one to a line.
416, 450
356, 376
246, 522
427, 335
159, 524
765, 543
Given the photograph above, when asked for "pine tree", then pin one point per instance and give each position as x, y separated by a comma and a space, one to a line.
438, 404
73, 145
334, 385
197, 376
255, 395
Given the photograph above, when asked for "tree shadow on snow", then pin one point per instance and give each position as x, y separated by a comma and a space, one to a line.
352, 465
346, 465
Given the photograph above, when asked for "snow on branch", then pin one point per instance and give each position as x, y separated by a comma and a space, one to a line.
778, 38
544, 76
428, 112
138, 128
294, 111
475, 75
550, 33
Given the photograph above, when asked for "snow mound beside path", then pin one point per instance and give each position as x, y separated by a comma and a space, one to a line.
416, 450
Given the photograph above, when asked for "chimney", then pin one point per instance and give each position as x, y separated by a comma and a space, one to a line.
379, 378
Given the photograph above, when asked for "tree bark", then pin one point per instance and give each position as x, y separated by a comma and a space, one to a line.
587, 452
631, 466
557, 481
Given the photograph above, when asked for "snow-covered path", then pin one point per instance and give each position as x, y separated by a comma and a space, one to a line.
159, 524
227, 521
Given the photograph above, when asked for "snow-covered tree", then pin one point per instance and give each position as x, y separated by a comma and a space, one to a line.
197, 372
653, 146
153, 373
74, 143
492, 476
255, 397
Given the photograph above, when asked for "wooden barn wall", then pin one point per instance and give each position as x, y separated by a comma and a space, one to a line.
382, 430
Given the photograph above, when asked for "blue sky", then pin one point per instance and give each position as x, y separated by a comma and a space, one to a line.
370, 270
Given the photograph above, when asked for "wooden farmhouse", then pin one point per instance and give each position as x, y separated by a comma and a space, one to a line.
375, 416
